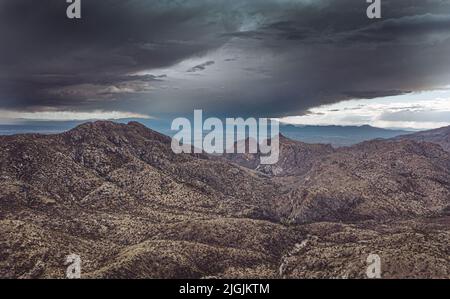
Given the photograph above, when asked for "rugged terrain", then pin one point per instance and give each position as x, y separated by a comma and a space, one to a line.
337, 136
116, 195
439, 136
296, 158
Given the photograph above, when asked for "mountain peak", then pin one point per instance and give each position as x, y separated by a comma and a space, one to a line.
118, 133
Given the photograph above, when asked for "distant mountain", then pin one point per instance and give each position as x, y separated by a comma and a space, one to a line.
439, 136
54, 127
337, 135
38, 128
117, 195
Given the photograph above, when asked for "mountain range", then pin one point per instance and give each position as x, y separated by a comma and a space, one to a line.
117, 196
337, 136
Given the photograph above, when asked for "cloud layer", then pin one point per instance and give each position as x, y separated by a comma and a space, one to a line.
262, 58
419, 111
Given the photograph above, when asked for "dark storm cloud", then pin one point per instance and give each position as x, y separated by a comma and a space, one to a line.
331, 52
372, 94
42, 50
280, 57
407, 28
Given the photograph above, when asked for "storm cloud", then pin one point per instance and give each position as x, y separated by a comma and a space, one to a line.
243, 57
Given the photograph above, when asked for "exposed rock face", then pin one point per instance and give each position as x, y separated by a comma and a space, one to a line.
121, 199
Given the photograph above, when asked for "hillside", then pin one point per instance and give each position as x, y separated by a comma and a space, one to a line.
439, 136
296, 158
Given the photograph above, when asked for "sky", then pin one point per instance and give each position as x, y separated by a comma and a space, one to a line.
414, 111
301, 61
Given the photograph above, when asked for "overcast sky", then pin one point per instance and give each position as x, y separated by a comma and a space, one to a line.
316, 62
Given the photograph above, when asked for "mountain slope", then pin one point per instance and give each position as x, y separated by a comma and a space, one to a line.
439, 136
116, 194
374, 180
378, 179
